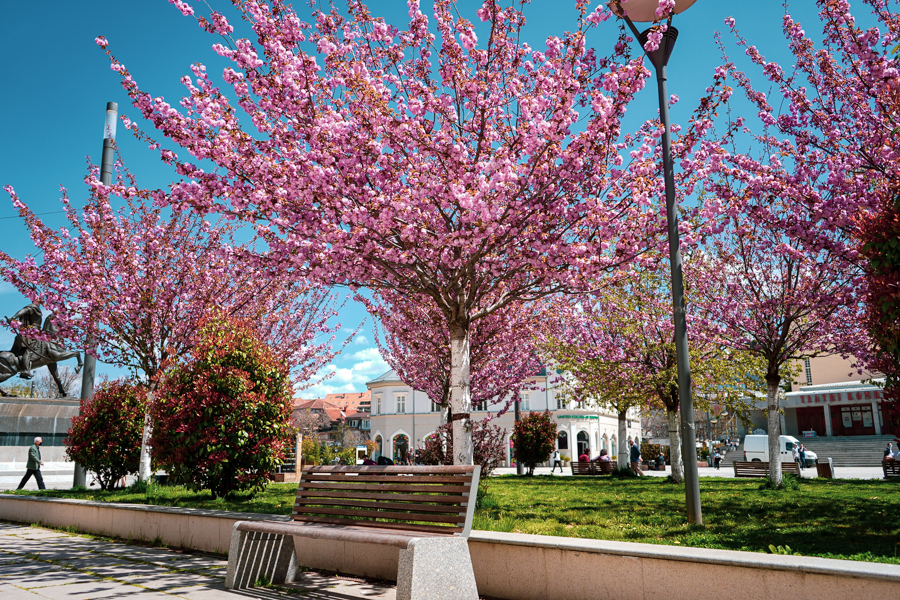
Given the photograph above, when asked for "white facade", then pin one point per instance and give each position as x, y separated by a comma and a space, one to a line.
403, 418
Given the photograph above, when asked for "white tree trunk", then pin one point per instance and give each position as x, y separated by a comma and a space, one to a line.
774, 432
624, 458
675, 446
144, 472
460, 395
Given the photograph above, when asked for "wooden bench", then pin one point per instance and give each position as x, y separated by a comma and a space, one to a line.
592, 468
891, 468
424, 512
761, 469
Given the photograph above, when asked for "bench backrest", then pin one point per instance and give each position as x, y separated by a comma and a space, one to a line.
581, 468
431, 499
756, 468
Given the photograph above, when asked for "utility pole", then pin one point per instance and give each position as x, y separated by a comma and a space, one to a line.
106, 164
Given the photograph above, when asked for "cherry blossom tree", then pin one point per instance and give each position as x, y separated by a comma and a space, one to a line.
133, 284
619, 346
413, 337
832, 132
473, 174
770, 296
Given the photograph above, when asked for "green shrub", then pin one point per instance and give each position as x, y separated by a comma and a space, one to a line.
222, 417
105, 437
534, 438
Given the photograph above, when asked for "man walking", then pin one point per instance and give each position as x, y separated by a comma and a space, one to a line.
556, 462
636, 458
33, 466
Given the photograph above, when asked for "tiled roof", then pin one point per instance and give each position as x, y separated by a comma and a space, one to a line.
333, 411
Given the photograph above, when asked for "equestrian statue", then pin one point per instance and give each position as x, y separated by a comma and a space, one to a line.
28, 353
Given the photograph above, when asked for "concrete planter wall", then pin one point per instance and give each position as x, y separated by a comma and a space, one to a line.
510, 566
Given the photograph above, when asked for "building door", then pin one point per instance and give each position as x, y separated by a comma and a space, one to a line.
583, 443
855, 419
811, 418
890, 420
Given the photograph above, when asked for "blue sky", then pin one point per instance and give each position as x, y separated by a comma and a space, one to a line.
58, 81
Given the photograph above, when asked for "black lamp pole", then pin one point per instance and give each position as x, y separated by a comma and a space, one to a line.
660, 58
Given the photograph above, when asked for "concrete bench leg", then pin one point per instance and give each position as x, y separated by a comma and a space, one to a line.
436, 569
253, 555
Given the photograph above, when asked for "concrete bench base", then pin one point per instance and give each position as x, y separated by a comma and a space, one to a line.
436, 569
254, 555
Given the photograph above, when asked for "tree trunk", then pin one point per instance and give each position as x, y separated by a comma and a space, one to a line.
624, 457
460, 394
675, 446
144, 471
774, 429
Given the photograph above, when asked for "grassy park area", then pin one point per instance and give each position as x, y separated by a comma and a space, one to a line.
847, 519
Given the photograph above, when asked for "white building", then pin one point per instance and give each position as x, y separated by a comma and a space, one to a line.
401, 415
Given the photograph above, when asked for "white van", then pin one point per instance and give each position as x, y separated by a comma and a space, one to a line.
756, 449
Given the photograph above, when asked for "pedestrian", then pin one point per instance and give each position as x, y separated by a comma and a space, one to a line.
33, 466
636, 459
802, 456
888, 452
661, 462
555, 461
795, 453
717, 458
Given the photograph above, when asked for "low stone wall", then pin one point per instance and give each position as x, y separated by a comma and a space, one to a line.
510, 566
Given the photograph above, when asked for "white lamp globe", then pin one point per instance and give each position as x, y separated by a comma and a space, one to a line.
644, 11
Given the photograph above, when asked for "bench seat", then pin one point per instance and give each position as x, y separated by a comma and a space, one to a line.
891, 468
592, 468
425, 512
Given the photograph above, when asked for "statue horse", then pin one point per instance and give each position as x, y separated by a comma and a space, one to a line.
43, 354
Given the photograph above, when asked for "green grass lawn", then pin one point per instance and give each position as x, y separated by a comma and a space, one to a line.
849, 519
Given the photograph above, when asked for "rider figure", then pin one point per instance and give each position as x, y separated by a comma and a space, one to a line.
28, 317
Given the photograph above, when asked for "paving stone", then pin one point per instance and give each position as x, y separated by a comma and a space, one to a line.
11, 592
124, 571
30, 581
11, 570
170, 580
89, 590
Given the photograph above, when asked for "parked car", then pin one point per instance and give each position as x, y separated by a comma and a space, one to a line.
756, 449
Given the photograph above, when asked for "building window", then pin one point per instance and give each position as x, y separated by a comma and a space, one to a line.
526, 401
378, 404
808, 369
479, 406
435, 407
560, 401
401, 403
562, 441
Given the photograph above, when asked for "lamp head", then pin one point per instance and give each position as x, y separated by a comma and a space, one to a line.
644, 11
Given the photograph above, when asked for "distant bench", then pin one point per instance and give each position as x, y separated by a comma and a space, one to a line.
592, 468
424, 512
761, 469
891, 468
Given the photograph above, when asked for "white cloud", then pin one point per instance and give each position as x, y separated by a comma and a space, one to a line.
367, 354
351, 376
361, 339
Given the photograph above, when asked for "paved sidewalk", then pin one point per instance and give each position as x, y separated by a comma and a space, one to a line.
725, 471
41, 564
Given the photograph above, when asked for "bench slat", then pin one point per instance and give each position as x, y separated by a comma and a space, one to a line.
440, 488
457, 479
446, 529
437, 499
378, 514
435, 508
412, 470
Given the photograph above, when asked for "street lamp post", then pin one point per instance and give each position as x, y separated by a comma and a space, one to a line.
645, 11
106, 168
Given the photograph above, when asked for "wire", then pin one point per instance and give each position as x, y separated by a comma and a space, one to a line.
55, 212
